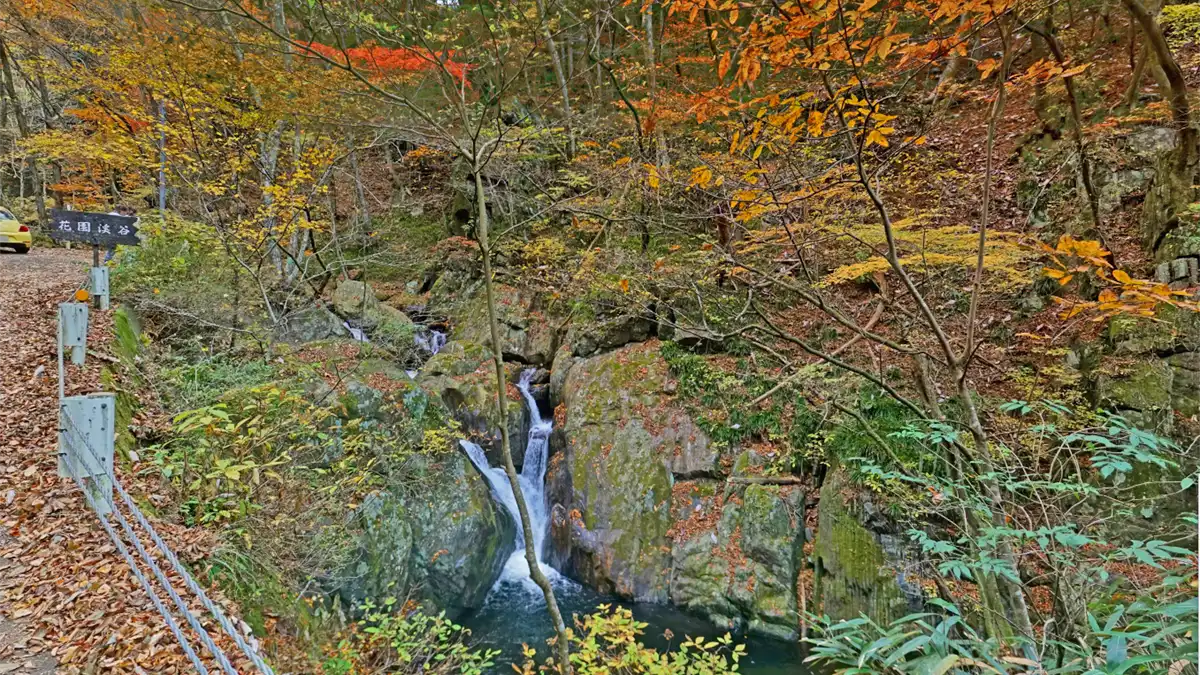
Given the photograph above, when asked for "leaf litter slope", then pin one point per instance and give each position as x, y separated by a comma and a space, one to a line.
66, 596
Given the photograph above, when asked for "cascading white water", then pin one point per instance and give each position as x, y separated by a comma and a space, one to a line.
356, 333
532, 480
432, 342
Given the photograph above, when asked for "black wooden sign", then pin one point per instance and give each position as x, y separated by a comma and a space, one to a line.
102, 229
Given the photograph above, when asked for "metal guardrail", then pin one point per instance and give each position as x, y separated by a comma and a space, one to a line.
85, 451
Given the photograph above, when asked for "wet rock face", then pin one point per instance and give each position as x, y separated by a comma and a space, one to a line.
862, 560
462, 376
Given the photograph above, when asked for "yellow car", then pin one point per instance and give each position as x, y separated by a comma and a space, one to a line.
13, 234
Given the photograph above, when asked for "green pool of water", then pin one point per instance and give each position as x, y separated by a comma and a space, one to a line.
515, 614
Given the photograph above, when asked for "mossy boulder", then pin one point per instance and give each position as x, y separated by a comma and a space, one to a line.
608, 330
446, 543
462, 375
373, 389
527, 334
616, 472
356, 302
1185, 383
1171, 330
461, 537
309, 325
862, 565
353, 299
1140, 391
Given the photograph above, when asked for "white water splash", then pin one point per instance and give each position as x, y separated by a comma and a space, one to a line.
432, 342
532, 481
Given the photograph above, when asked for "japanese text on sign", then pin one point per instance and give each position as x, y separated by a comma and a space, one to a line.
103, 229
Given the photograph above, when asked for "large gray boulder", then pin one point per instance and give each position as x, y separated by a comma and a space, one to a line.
446, 544
309, 325
527, 334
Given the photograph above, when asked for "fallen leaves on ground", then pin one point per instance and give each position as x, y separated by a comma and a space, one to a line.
63, 580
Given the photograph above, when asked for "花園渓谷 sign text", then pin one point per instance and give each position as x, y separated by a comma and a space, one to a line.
103, 229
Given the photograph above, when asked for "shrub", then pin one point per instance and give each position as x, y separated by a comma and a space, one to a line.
1181, 23
391, 639
606, 643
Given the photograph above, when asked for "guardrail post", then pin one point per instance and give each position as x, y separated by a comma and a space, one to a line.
99, 279
87, 432
73, 325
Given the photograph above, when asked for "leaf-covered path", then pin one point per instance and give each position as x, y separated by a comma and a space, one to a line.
66, 596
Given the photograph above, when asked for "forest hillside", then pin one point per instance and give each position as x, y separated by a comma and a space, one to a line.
669, 336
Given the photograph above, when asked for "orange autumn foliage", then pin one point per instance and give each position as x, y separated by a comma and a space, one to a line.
385, 61
1120, 293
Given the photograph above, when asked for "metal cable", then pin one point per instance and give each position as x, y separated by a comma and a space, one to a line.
249, 652
158, 604
78, 439
195, 624
195, 588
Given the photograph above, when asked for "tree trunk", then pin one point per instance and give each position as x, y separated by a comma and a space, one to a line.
661, 158
535, 571
23, 127
559, 74
1085, 165
1180, 109
363, 220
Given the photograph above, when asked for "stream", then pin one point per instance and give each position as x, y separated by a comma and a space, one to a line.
514, 612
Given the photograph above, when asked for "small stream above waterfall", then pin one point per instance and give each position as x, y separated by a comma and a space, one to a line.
431, 340
514, 613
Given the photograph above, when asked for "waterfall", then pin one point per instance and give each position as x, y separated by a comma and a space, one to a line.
532, 480
431, 341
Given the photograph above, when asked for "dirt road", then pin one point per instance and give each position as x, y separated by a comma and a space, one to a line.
67, 600
30, 285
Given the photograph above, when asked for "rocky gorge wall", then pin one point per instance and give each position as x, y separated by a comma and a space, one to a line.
644, 504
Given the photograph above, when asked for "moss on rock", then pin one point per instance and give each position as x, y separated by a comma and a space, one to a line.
855, 573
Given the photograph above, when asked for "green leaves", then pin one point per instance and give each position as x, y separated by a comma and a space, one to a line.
1153, 552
